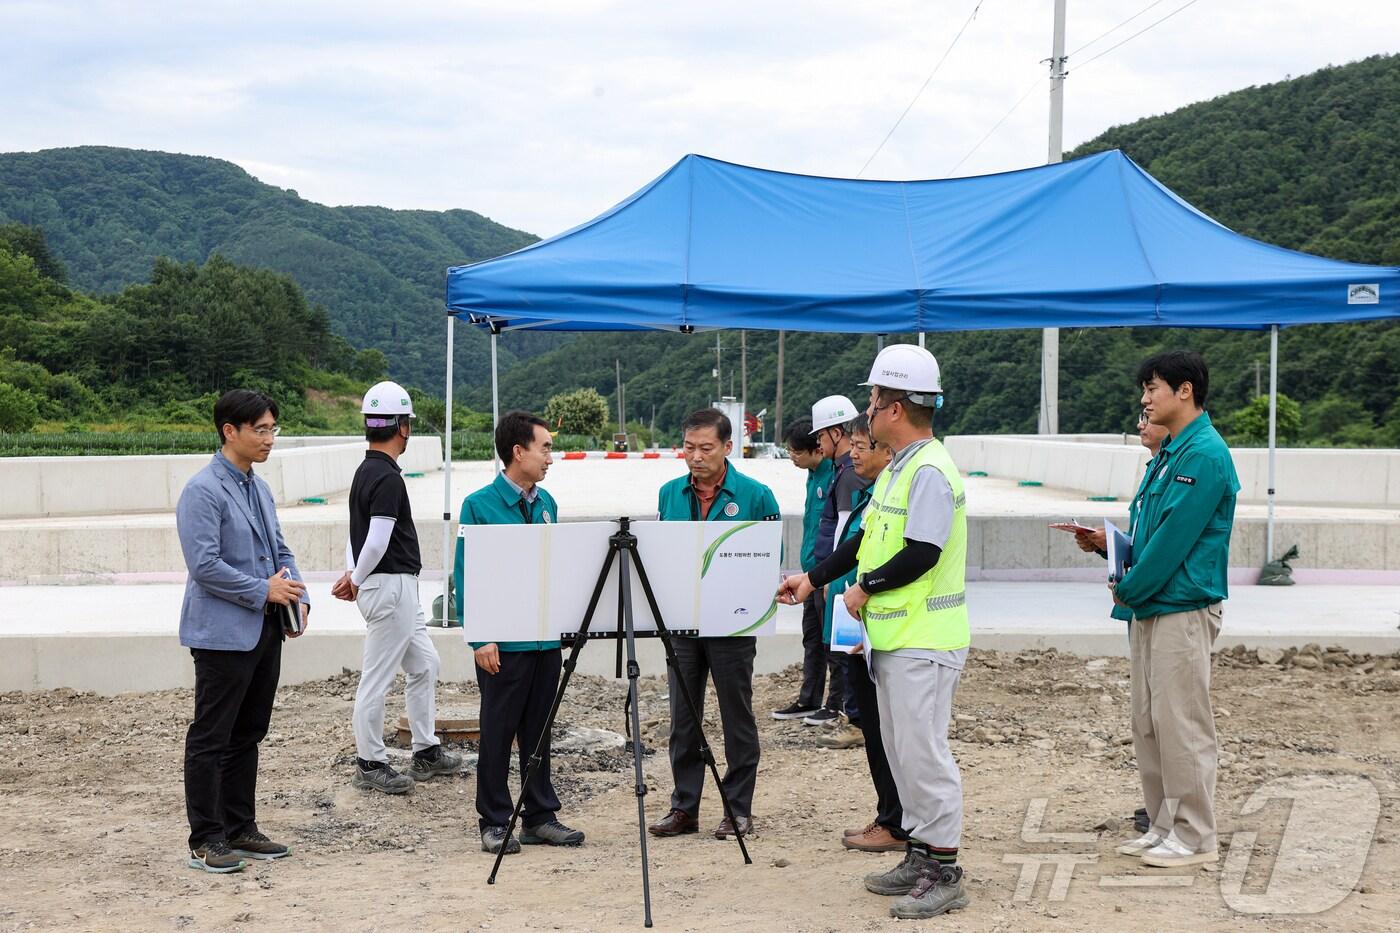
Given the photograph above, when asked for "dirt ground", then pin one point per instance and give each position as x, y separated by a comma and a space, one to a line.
92, 815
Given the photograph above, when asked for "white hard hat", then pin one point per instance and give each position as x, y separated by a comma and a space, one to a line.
831, 411
905, 366
388, 399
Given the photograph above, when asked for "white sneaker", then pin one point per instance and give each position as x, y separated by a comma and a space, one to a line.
1141, 844
1172, 853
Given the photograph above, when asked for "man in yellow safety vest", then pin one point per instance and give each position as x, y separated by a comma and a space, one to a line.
911, 561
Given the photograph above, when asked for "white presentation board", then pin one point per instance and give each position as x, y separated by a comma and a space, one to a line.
533, 582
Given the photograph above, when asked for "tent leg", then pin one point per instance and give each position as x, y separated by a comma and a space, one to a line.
1050, 381
495, 402
1273, 438
921, 340
447, 482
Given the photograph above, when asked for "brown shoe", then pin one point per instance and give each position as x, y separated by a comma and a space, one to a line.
675, 823
848, 736
859, 832
875, 839
726, 828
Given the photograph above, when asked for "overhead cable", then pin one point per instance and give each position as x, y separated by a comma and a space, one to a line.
922, 88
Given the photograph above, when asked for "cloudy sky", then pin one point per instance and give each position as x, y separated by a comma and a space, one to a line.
542, 114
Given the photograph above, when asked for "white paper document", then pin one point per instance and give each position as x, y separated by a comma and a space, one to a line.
533, 582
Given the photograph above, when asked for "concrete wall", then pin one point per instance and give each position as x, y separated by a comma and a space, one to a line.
37, 487
999, 547
1111, 465
110, 664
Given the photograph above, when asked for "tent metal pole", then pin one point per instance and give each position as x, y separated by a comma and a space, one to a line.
1273, 437
495, 404
921, 340
447, 482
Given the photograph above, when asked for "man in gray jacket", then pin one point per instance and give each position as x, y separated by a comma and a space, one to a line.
241, 576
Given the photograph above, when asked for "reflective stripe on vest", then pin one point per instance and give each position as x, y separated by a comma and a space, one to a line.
931, 612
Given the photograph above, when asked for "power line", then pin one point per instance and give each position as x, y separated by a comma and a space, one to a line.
1116, 28
1016, 106
996, 126
1138, 33
922, 88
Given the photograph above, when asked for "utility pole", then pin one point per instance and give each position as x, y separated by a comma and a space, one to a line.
1050, 336
621, 425
778, 403
719, 384
743, 379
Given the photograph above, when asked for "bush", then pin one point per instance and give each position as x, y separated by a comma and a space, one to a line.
18, 409
582, 411
1250, 424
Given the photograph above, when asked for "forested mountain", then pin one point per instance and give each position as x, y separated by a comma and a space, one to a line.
1310, 163
109, 213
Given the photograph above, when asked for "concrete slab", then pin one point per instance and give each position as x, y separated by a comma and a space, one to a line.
113, 639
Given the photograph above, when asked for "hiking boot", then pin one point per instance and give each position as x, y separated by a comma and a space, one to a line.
938, 891
875, 839
253, 844
794, 711
432, 761
822, 717
1173, 853
378, 775
848, 736
901, 878
215, 857
553, 833
492, 838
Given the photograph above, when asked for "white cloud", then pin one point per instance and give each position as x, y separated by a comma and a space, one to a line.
541, 114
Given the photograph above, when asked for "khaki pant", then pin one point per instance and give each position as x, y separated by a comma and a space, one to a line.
1173, 725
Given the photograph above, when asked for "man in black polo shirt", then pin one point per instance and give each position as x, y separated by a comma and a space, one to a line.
384, 561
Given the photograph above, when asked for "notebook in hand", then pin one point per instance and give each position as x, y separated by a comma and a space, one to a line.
289, 615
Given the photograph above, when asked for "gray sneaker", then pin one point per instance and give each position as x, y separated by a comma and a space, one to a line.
493, 837
433, 761
938, 891
553, 833
381, 777
903, 877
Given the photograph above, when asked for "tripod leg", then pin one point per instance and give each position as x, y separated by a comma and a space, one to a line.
672, 662
625, 618
538, 754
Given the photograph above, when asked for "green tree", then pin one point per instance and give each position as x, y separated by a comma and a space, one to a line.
582, 411
18, 409
1250, 424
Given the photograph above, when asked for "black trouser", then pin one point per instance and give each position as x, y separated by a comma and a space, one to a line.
730, 662
233, 694
813, 655
888, 812
846, 699
515, 704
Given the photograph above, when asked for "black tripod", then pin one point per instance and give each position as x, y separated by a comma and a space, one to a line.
622, 546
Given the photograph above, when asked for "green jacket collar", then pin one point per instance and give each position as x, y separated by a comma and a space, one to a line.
510, 494
1174, 445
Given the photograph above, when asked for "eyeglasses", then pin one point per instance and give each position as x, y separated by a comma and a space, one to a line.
1142, 421
876, 409
265, 431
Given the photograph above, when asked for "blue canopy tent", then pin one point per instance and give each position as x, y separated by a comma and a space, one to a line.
1095, 242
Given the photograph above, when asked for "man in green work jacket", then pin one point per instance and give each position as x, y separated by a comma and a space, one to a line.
805, 452
713, 491
518, 679
1180, 561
